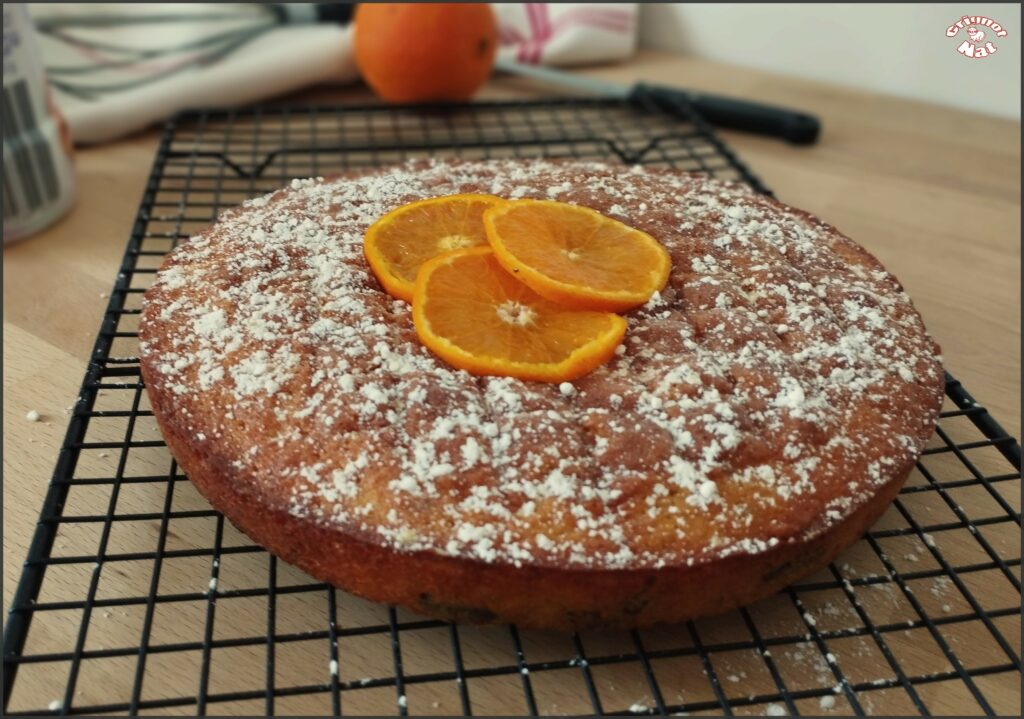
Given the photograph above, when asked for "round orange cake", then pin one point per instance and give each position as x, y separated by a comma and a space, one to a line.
762, 412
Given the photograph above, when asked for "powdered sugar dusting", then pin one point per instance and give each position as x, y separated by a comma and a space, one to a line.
782, 374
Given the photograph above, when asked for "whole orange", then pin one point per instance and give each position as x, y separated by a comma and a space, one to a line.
420, 52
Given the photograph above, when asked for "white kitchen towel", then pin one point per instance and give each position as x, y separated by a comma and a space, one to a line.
566, 33
115, 68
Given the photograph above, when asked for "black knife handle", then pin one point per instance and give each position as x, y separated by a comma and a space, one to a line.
339, 13
797, 127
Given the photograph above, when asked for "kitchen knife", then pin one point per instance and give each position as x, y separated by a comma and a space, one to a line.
797, 127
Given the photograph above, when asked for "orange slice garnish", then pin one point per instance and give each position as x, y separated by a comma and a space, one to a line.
477, 317
398, 244
576, 256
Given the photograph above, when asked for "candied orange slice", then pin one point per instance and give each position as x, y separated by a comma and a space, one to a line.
397, 244
575, 255
477, 317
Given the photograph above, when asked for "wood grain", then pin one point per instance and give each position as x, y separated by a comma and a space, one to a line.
933, 192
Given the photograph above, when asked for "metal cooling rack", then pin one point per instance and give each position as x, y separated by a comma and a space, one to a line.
136, 597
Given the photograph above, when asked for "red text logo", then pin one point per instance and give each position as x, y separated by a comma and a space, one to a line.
980, 31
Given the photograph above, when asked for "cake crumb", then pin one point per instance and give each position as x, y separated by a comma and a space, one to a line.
827, 702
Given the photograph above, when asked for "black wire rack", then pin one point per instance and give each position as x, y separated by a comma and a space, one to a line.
137, 597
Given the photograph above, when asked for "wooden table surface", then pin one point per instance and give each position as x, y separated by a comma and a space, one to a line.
933, 192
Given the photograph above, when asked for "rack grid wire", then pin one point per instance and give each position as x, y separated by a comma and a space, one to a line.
137, 597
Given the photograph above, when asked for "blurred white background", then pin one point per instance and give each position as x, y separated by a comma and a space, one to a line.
893, 48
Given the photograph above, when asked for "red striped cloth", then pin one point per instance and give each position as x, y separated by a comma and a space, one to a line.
566, 33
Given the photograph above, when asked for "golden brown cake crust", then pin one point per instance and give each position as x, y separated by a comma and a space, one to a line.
766, 406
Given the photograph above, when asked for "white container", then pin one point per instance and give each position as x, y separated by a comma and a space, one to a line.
39, 180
